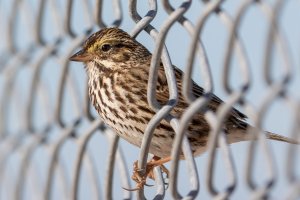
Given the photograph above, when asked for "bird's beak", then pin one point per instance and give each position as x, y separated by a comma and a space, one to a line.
81, 56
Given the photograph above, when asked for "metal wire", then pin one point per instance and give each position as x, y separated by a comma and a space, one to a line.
49, 132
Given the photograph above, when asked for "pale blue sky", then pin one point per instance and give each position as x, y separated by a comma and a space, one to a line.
253, 34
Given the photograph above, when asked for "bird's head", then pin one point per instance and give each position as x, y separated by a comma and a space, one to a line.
111, 48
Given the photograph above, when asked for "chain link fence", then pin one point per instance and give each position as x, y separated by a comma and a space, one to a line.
53, 145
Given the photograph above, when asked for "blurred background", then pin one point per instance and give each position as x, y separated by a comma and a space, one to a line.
46, 122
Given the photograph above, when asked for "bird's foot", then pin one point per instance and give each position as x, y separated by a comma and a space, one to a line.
140, 178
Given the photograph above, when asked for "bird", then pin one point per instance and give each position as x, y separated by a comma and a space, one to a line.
117, 66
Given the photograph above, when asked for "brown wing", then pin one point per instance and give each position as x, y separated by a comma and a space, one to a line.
163, 95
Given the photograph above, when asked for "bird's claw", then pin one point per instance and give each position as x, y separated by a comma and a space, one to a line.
138, 187
140, 178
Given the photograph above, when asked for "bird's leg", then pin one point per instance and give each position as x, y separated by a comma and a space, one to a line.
154, 162
157, 161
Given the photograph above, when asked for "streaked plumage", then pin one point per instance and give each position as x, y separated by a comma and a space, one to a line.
118, 69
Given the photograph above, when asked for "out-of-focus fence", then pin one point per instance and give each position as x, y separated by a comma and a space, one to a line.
54, 146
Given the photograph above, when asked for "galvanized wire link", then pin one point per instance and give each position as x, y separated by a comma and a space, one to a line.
53, 145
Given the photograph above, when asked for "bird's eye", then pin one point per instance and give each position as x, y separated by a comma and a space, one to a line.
105, 47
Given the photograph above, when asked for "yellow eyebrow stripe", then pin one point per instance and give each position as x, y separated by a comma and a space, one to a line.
97, 44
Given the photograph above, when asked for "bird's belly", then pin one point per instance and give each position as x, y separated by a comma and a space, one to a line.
160, 147
126, 131
129, 121
133, 132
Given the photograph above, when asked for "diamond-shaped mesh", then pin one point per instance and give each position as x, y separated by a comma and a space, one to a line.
53, 145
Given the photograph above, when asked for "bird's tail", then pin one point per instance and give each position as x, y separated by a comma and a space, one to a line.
238, 135
277, 137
